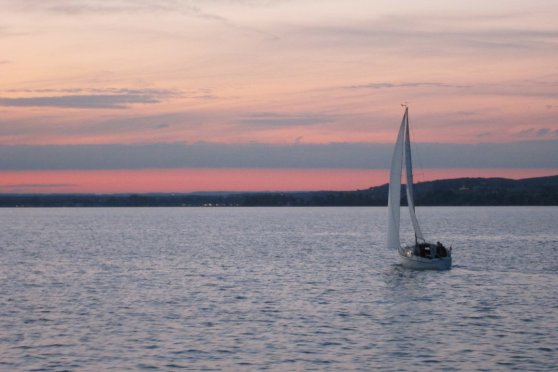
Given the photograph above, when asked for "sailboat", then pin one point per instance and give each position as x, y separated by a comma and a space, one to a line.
421, 255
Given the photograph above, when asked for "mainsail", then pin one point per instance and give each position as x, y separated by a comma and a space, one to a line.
409, 186
394, 198
401, 153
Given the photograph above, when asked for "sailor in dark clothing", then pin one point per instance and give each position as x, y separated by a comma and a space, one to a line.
441, 250
422, 251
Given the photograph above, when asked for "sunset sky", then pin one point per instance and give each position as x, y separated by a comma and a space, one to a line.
179, 96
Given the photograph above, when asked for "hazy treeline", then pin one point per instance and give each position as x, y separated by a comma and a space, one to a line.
458, 192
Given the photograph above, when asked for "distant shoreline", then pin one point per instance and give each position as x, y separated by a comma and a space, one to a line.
540, 191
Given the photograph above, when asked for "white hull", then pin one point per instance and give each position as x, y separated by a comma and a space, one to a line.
421, 263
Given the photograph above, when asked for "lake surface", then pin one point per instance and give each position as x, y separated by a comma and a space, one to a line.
274, 289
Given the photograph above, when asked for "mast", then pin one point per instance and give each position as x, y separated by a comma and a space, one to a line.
409, 181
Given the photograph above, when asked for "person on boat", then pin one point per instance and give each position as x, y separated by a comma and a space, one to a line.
441, 250
433, 251
422, 251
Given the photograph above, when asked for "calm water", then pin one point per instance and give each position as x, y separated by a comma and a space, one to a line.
275, 289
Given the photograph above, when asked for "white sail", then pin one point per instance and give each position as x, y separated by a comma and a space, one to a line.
394, 198
409, 174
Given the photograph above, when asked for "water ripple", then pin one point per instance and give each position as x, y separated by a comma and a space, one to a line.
274, 289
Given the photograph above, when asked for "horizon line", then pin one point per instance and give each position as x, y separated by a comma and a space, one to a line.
238, 192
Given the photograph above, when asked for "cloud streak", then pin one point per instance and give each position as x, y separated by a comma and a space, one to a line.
518, 88
386, 85
75, 101
271, 119
538, 132
420, 34
527, 154
116, 99
93, 8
